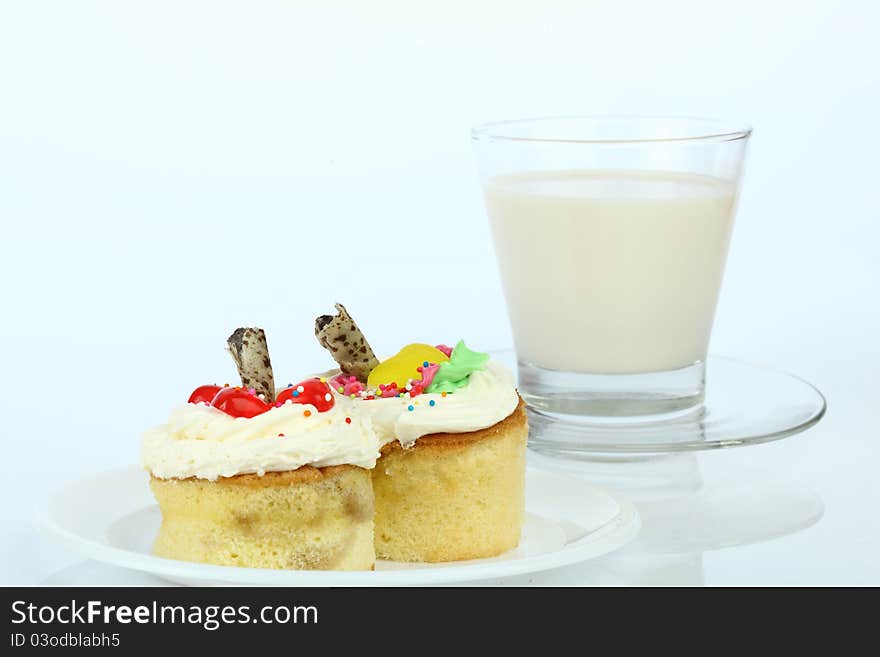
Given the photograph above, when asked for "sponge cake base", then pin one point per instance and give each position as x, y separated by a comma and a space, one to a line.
309, 518
452, 496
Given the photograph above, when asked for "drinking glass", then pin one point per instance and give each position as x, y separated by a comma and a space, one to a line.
611, 235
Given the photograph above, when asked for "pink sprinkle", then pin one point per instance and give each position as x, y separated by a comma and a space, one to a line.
428, 374
446, 350
252, 391
347, 385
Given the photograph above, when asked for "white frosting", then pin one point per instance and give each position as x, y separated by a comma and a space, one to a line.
201, 441
488, 398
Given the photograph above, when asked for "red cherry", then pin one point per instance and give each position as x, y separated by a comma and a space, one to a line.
239, 403
203, 394
313, 392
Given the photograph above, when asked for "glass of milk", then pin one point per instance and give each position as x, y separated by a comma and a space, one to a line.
611, 235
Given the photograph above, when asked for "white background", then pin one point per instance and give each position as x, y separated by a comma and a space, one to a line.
172, 170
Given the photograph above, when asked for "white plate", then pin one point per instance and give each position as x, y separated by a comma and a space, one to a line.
112, 517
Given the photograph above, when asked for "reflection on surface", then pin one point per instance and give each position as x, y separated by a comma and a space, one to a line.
92, 573
686, 507
685, 512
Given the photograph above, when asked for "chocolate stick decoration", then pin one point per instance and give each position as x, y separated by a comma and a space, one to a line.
345, 342
251, 355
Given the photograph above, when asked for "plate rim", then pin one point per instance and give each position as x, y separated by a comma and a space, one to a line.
614, 534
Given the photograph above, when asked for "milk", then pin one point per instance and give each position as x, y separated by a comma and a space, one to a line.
611, 272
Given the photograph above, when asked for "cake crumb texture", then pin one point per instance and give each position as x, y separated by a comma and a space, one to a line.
452, 496
317, 519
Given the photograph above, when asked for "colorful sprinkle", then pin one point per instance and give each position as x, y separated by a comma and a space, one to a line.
348, 420
296, 392
322, 379
307, 412
281, 435
300, 389
328, 397
432, 403
442, 394
410, 408
346, 385
387, 391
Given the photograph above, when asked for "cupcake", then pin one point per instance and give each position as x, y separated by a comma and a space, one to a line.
450, 482
263, 478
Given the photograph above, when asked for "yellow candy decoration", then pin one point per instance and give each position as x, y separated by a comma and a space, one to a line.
403, 366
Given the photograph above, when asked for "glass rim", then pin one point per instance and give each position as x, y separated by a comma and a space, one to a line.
723, 130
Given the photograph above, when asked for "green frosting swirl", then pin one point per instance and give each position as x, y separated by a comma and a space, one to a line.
455, 372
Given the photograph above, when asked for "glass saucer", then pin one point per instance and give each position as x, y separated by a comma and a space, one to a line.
745, 404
